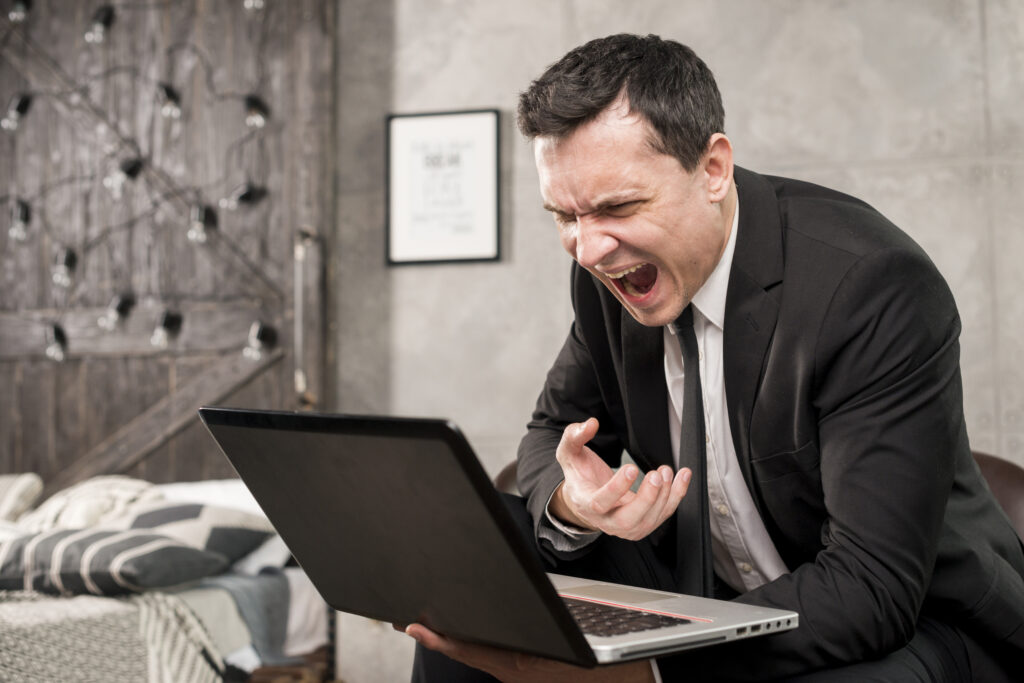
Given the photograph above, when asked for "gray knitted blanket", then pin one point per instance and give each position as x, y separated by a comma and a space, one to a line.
149, 637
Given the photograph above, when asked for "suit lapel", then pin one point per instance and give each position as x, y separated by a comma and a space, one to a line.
751, 309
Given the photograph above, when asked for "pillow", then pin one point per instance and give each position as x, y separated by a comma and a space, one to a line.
9, 531
272, 554
225, 493
231, 533
101, 562
89, 503
18, 492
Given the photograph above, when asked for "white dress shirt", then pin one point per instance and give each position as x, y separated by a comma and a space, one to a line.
744, 555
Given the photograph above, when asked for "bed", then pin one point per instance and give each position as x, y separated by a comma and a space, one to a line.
120, 579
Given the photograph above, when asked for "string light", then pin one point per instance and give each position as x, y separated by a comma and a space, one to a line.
256, 111
21, 216
168, 328
56, 343
64, 270
261, 338
19, 11
129, 169
203, 218
118, 309
102, 20
171, 100
19, 106
246, 193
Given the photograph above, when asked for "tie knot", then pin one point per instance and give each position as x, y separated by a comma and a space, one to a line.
685, 318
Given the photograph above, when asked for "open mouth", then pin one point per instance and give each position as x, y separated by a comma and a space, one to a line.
635, 281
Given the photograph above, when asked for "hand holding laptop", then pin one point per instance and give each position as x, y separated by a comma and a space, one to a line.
596, 497
509, 666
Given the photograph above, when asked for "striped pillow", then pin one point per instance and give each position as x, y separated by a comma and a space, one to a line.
101, 562
231, 533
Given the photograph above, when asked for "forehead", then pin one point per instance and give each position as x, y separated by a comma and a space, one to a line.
607, 158
615, 131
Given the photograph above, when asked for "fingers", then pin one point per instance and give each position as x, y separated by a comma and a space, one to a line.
428, 639
680, 485
672, 493
657, 498
635, 517
610, 495
495, 661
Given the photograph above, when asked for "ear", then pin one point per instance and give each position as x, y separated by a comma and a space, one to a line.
717, 164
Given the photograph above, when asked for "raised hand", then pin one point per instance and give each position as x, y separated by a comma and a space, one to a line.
596, 497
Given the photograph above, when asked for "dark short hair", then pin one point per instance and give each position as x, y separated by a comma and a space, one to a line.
664, 81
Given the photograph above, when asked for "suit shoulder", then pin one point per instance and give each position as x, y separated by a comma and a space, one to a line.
836, 220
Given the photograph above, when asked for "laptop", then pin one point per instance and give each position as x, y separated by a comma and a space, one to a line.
395, 519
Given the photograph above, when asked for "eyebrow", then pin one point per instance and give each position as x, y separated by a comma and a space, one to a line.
604, 203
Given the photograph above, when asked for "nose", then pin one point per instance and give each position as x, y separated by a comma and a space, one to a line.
593, 243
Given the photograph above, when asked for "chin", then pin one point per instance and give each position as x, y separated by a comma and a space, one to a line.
653, 318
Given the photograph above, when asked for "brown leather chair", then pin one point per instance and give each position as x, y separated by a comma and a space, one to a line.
506, 479
1006, 479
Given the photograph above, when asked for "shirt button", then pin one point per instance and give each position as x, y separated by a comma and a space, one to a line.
707, 438
745, 567
722, 509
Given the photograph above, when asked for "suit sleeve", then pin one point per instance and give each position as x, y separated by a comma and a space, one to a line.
888, 400
571, 394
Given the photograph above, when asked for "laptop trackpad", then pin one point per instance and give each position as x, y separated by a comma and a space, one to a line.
608, 593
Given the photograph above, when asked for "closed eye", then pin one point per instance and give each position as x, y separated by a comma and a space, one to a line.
622, 209
564, 219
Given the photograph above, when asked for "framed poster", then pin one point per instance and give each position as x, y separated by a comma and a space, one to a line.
443, 187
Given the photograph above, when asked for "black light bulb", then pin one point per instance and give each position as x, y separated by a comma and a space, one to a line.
21, 216
16, 110
19, 11
171, 101
256, 111
56, 342
203, 219
102, 20
64, 268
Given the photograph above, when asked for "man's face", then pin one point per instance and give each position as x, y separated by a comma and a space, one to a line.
651, 231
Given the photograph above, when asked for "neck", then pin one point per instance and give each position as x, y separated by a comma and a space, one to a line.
728, 209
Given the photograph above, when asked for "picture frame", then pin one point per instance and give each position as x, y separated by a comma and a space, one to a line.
443, 193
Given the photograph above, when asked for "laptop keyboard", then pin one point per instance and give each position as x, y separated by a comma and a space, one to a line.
597, 619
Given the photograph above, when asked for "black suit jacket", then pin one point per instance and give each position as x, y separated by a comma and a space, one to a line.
845, 403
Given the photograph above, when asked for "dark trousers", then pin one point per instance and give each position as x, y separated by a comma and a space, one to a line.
938, 652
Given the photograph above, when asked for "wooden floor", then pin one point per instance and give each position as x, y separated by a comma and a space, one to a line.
315, 669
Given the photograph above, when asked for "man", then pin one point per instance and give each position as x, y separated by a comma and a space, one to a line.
839, 479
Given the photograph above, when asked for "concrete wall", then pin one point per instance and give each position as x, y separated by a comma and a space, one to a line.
913, 106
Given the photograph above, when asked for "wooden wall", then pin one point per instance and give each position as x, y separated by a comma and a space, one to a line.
117, 404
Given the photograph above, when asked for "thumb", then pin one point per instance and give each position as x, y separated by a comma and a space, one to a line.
577, 435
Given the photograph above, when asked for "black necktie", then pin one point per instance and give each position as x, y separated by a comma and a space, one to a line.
693, 533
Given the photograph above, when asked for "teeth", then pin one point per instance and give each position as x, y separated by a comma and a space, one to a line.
616, 276
630, 289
